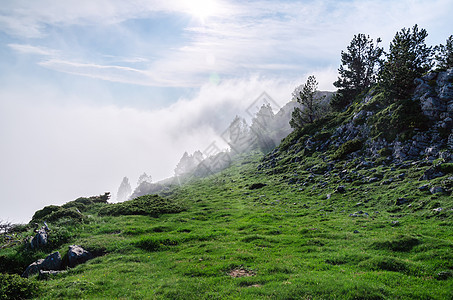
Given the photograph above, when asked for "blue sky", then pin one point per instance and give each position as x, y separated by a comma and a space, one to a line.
91, 91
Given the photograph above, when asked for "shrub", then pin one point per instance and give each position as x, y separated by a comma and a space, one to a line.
385, 152
41, 214
65, 213
398, 119
84, 203
446, 168
347, 148
149, 205
16, 287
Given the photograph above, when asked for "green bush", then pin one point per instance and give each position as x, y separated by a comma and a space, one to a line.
385, 152
149, 205
446, 168
398, 120
84, 203
347, 148
53, 213
41, 214
16, 287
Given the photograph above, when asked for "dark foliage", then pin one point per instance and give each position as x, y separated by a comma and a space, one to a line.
398, 119
444, 54
305, 95
16, 287
255, 186
409, 58
54, 213
347, 148
358, 69
84, 203
41, 214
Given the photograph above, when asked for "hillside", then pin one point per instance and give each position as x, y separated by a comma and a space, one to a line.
355, 206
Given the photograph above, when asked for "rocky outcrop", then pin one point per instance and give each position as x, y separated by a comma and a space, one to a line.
435, 92
77, 255
40, 239
51, 262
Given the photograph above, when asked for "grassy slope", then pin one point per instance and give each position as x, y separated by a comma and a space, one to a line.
293, 240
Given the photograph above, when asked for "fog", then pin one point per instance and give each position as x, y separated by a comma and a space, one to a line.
93, 91
53, 153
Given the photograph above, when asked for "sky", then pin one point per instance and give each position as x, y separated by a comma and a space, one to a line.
92, 91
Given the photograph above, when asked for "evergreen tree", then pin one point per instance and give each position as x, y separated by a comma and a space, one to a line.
262, 127
358, 69
310, 111
409, 58
237, 136
444, 54
144, 178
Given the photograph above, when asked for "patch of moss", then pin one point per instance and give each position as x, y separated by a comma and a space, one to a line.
347, 148
398, 120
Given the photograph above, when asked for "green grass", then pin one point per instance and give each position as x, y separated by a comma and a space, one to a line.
293, 241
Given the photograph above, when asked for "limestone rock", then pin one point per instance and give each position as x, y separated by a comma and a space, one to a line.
77, 255
51, 262
40, 239
437, 190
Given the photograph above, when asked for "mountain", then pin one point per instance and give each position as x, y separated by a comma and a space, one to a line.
357, 205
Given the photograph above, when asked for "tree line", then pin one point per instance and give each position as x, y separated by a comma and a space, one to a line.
364, 64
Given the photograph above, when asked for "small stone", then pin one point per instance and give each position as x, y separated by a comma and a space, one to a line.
401, 201
437, 190
341, 189
424, 187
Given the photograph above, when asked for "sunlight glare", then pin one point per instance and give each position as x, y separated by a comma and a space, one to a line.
203, 9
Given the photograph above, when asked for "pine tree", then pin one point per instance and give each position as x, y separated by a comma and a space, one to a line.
444, 54
358, 69
261, 128
409, 58
305, 95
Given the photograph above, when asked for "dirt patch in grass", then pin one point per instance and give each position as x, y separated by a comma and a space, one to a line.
241, 272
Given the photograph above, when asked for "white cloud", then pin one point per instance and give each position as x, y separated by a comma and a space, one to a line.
29, 49
241, 38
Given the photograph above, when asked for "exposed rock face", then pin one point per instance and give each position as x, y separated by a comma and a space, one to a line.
40, 239
435, 92
77, 255
51, 262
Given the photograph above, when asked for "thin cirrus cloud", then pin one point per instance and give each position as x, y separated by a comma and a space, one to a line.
237, 39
